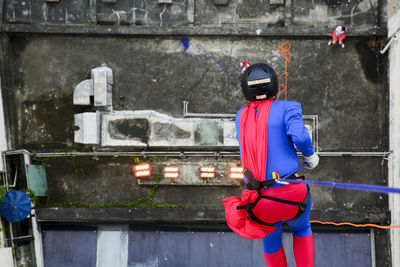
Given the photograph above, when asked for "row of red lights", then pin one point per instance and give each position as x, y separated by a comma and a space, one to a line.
143, 170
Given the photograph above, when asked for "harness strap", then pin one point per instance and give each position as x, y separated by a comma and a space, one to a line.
249, 208
303, 206
254, 184
257, 185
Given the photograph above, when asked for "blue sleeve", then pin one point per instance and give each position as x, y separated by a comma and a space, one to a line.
237, 124
296, 130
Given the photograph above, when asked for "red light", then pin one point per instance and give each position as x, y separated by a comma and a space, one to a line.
171, 172
142, 170
207, 175
207, 172
207, 169
236, 173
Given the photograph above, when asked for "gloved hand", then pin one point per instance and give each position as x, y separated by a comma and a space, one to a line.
312, 161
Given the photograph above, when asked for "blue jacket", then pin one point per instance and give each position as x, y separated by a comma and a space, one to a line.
285, 128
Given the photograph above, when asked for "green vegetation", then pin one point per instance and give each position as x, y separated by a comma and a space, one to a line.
31, 194
87, 23
145, 202
3, 191
348, 206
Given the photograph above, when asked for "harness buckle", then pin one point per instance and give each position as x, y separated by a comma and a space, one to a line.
275, 175
281, 182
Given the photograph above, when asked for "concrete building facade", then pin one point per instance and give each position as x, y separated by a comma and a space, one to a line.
91, 88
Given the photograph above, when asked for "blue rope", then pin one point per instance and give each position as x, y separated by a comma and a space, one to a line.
361, 187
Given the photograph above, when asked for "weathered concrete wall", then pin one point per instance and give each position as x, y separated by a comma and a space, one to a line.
341, 86
110, 180
49, 47
354, 14
359, 15
154, 74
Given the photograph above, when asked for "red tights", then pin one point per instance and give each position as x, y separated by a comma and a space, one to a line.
303, 248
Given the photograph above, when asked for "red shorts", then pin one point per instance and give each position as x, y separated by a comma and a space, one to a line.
339, 38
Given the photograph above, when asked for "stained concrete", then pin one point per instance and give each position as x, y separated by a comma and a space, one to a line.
316, 13
110, 180
153, 73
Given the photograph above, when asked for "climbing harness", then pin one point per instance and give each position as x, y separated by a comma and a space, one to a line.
253, 184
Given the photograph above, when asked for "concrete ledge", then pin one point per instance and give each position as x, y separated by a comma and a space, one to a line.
225, 30
183, 215
129, 215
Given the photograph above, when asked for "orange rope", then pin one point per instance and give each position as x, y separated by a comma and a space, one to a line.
359, 225
284, 50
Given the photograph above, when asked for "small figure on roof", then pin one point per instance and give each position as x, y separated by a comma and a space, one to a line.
338, 35
244, 65
268, 131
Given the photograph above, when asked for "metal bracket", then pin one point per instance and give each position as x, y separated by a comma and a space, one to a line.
27, 160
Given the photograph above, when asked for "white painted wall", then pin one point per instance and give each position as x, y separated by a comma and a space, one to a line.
6, 257
112, 246
394, 136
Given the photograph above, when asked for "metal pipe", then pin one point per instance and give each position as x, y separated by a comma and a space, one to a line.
131, 154
353, 154
22, 238
394, 38
16, 152
198, 154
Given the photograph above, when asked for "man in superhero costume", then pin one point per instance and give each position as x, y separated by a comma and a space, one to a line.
268, 132
338, 34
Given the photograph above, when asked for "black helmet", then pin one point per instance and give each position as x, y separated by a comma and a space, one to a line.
259, 82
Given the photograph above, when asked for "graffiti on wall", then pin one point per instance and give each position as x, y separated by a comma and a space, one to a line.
284, 50
206, 56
